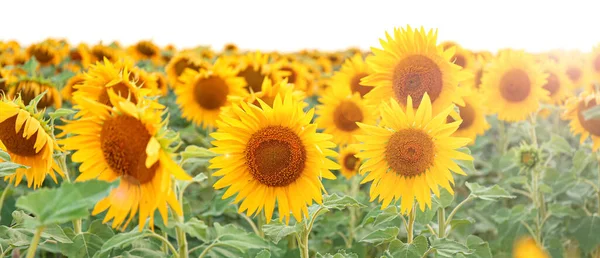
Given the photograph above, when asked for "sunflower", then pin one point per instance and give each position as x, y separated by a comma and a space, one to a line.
448, 44
5, 81
476, 68
575, 69
181, 61
100, 52
558, 85
513, 85
411, 64
350, 74
296, 74
30, 87
203, 94
44, 53
410, 154
29, 141
231, 48
102, 78
161, 83
272, 154
463, 57
126, 141
575, 107
349, 163
472, 117
339, 113
81, 55
254, 68
69, 89
270, 90
144, 80
145, 50
595, 64
526, 247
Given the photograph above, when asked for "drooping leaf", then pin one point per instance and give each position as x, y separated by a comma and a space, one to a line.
4, 155
197, 228
119, 241
238, 238
8, 168
445, 199
101, 230
380, 236
490, 193
61, 112
415, 250
193, 151
480, 248
275, 231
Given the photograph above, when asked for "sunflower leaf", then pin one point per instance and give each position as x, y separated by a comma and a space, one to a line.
335, 201
193, 151
340, 254
586, 233
558, 144
4, 156
466, 165
416, 249
381, 236
265, 253
490, 193
8, 168
61, 112
84, 245
119, 241
592, 113
70, 201
275, 231
448, 248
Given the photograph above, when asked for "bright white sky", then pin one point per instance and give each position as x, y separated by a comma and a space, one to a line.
293, 25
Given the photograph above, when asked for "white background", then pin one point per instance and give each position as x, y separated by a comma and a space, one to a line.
294, 25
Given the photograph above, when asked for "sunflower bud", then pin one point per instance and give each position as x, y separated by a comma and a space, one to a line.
529, 157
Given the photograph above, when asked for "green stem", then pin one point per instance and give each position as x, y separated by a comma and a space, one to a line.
502, 134
165, 248
411, 223
205, 252
6, 252
34, 242
449, 219
598, 192
181, 237
254, 227
77, 226
166, 242
532, 130
354, 187
260, 223
442, 222
4, 193
305, 250
303, 239
430, 250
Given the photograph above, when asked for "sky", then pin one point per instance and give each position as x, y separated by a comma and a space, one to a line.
315, 24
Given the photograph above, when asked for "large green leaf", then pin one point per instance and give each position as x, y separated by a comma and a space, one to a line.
587, 232
68, 202
558, 144
481, 249
238, 238
197, 228
275, 231
263, 254
8, 168
119, 241
414, 250
337, 202
380, 236
85, 245
490, 193
448, 248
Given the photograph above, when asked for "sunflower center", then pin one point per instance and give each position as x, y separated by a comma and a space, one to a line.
123, 140
414, 76
42, 56
15, 142
29, 90
574, 73
478, 76
592, 125
597, 63
515, 85
75, 55
460, 60
253, 78
467, 114
356, 87
275, 156
293, 75
211, 93
100, 54
146, 49
346, 114
2, 84
350, 161
553, 84
120, 89
410, 152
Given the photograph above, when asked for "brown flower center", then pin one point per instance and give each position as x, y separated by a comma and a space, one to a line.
574, 73
43, 56
414, 76
346, 114
275, 156
211, 93
123, 140
515, 85
293, 75
29, 90
183, 63
356, 87
478, 76
121, 89
467, 114
350, 161
460, 60
100, 54
592, 125
410, 152
15, 142
254, 79
146, 49
553, 84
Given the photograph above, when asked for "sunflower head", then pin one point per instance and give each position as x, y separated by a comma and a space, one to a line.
80, 55
350, 74
463, 57
410, 154
513, 84
272, 155
349, 163
100, 52
576, 69
594, 63
558, 85
70, 86
145, 50
31, 87
45, 53
411, 64
6, 79
27, 138
255, 67
182, 61
472, 117
528, 156
575, 109
145, 80
127, 141
231, 48
295, 72
526, 247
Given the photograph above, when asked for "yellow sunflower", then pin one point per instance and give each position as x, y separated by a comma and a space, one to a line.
411, 155
526, 247
44, 53
296, 74
161, 83
575, 107
181, 61
476, 68
349, 163
5, 81
558, 85
411, 64
254, 68
81, 55
30, 87
231, 48
463, 57
339, 113
270, 90
203, 94
145, 50
29, 141
126, 141
350, 74
576, 70
69, 89
145, 80
472, 117
270, 155
99, 52
595, 64
513, 85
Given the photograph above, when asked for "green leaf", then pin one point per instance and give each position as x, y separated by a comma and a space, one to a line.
337, 202
196, 228
238, 238
339, 254
544, 188
448, 248
378, 217
193, 151
461, 222
381, 235
519, 180
275, 231
581, 160
69, 202
31, 65
420, 242
263, 254
4, 155
490, 193
592, 113
8, 168
61, 112
119, 241
558, 144
562, 210
101, 230
466, 165
84, 245
55, 232
197, 179
399, 249
445, 199
481, 249
586, 232
424, 217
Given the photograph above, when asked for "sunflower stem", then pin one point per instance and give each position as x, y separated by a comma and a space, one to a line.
4, 192
411, 223
502, 135
354, 187
35, 242
598, 191
442, 222
449, 219
181, 237
77, 226
260, 223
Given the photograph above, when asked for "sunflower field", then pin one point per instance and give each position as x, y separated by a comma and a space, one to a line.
415, 148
